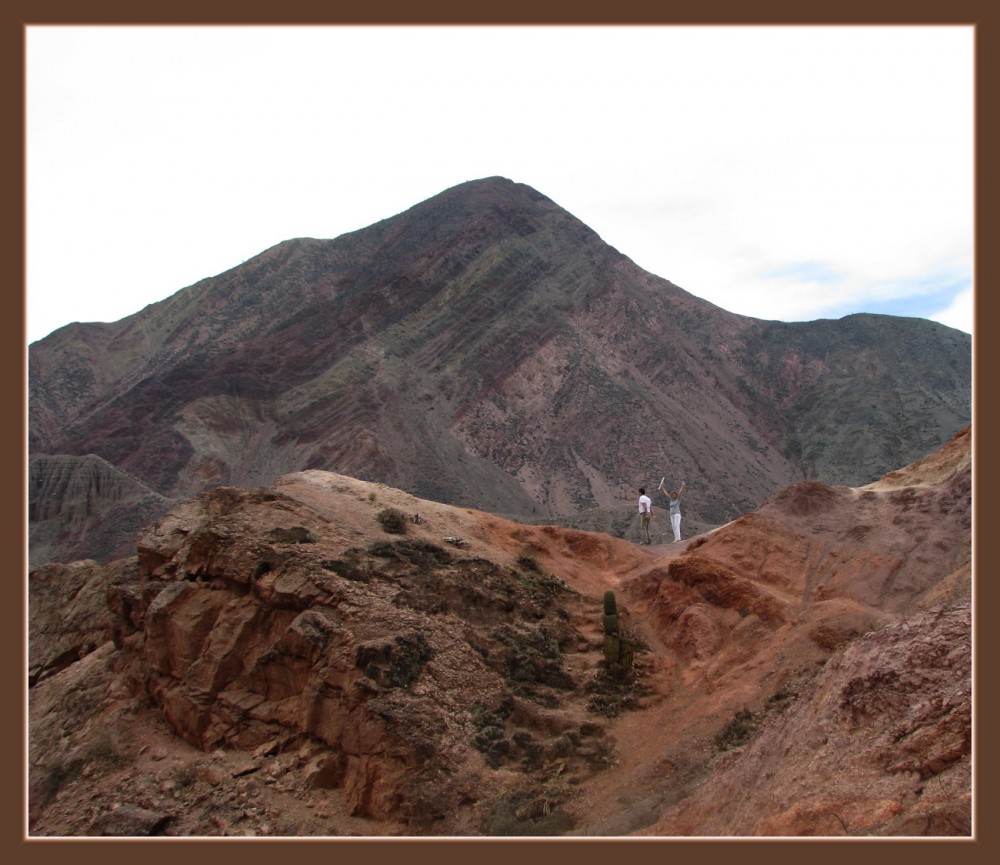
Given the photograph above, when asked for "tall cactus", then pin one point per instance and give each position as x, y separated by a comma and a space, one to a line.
612, 641
617, 644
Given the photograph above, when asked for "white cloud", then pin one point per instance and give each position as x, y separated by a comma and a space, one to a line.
712, 156
959, 313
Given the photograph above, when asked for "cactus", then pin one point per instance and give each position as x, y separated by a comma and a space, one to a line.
612, 649
617, 646
612, 644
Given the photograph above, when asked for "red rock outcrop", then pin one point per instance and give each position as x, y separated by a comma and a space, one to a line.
256, 623
69, 613
286, 661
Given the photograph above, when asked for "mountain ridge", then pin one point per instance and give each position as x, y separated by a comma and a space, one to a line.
486, 348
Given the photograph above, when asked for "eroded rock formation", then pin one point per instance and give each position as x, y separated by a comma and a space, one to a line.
291, 661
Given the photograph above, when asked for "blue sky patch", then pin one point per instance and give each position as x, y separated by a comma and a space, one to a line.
806, 271
923, 297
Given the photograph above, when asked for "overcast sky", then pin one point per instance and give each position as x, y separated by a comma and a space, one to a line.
786, 172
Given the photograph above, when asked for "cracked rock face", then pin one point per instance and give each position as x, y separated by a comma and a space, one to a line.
69, 613
388, 657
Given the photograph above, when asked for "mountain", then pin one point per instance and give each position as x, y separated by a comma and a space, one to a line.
82, 506
487, 349
331, 656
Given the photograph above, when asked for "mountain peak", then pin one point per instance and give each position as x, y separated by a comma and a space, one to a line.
486, 348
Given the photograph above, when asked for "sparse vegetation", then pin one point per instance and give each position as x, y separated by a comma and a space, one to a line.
611, 695
423, 554
531, 812
293, 535
533, 657
397, 664
527, 562
392, 520
738, 731
538, 583
104, 749
347, 566
490, 738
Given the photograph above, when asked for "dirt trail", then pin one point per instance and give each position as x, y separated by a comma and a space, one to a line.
643, 781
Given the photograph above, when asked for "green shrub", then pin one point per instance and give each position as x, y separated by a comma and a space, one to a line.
395, 664
346, 567
393, 521
293, 535
541, 585
528, 813
737, 732
528, 563
422, 554
613, 693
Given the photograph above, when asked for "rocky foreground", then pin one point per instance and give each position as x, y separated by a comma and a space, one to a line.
331, 657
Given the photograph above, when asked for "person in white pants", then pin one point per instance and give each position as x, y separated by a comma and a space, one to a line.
675, 510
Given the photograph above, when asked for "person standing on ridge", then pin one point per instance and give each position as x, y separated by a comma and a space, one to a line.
675, 509
645, 515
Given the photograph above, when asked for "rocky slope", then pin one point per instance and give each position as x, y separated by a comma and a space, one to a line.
83, 507
878, 744
330, 656
486, 349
